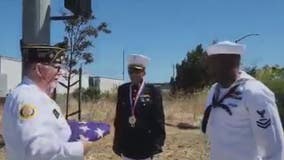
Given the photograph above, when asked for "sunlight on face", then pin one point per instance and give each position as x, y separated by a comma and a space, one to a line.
50, 75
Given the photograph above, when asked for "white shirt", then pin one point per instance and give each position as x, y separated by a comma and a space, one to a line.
253, 131
39, 135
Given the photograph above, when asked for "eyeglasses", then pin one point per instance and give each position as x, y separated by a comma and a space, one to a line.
58, 67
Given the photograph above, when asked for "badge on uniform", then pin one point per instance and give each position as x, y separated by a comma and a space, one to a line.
56, 113
262, 121
145, 99
27, 111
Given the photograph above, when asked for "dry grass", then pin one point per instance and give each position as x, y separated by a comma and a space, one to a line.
185, 108
180, 144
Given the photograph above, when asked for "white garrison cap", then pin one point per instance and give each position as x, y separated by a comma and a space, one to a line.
226, 47
138, 61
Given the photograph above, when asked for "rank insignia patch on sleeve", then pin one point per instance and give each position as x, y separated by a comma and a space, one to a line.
28, 111
263, 122
56, 113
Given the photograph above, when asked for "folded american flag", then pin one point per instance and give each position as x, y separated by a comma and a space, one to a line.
90, 131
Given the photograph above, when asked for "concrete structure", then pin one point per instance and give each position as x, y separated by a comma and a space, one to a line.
105, 84
10, 74
36, 22
164, 87
85, 84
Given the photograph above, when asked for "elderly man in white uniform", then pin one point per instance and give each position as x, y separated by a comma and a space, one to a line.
34, 127
241, 118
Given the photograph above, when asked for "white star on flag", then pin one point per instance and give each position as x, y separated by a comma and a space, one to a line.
83, 138
83, 122
84, 128
99, 132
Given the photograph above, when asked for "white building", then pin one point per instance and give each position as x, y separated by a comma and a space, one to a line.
84, 82
105, 84
10, 74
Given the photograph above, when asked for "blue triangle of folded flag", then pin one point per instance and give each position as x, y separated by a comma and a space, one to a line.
90, 131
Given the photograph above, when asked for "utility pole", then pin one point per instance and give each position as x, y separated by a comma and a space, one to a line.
123, 65
36, 22
174, 73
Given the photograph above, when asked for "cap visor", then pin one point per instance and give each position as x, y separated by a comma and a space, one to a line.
136, 67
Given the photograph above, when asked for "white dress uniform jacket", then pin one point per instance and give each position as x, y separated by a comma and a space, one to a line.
34, 127
253, 131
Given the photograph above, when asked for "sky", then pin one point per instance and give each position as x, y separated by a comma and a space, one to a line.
164, 30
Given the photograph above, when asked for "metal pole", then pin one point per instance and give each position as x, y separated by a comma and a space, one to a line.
67, 96
123, 64
36, 22
174, 71
80, 93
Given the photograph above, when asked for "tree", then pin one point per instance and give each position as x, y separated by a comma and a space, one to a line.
79, 38
251, 70
191, 73
273, 77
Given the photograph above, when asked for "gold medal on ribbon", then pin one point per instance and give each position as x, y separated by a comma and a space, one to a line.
132, 121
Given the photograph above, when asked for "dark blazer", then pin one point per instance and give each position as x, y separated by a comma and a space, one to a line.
148, 135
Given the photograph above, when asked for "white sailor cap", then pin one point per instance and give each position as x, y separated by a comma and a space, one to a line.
138, 61
226, 47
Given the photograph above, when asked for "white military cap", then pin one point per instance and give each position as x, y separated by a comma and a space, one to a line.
138, 61
226, 47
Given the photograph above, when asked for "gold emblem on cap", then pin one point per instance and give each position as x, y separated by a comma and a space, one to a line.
28, 111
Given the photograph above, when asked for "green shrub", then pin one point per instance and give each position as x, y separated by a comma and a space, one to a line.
277, 86
273, 77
